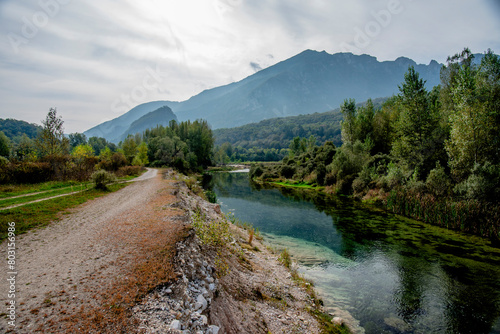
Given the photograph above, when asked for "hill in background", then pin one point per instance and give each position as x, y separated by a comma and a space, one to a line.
278, 132
14, 128
114, 130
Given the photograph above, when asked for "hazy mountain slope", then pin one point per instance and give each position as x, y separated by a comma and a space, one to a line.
112, 130
161, 116
309, 82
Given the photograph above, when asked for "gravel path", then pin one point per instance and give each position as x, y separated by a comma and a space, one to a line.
61, 267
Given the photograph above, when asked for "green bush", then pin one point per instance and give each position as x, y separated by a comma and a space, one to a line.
438, 183
287, 171
483, 183
211, 196
102, 178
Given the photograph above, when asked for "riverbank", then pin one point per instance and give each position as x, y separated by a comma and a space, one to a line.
229, 282
466, 216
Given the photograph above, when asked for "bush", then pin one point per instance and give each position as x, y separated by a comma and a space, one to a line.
102, 178
395, 176
287, 171
438, 183
129, 171
211, 196
483, 183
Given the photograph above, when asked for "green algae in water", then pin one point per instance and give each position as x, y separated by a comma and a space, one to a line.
395, 275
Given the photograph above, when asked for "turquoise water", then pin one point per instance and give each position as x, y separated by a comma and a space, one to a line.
383, 272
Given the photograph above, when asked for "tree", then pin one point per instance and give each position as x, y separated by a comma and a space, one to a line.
348, 125
474, 115
4, 145
51, 140
26, 149
416, 121
141, 158
129, 147
364, 121
82, 151
76, 139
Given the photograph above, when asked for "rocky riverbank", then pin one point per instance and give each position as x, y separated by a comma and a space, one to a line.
240, 287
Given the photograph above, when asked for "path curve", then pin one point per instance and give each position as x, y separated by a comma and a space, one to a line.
60, 266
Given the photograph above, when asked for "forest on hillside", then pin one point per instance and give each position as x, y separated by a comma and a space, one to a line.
432, 155
269, 140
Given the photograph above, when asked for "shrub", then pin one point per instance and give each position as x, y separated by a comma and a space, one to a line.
102, 178
287, 171
482, 184
211, 196
438, 183
395, 176
118, 160
129, 171
285, 258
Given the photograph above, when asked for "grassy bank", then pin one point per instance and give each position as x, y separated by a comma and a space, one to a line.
42, 213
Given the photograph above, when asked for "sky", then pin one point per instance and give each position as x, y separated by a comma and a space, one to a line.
95, 60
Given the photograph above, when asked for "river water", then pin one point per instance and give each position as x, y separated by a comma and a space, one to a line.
391, 274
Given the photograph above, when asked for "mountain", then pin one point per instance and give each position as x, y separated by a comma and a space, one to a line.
161, 116
304, 84
278, 132
114, 129
307, 83
15, 128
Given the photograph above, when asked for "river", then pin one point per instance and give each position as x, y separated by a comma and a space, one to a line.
391, 274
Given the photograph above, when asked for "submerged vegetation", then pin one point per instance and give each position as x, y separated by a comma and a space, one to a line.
430, 155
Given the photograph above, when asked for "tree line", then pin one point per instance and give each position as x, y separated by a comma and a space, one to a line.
430, 154
51, 155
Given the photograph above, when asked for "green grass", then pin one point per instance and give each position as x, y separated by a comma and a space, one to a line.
42, 213
302, 185
11, 190
5, 202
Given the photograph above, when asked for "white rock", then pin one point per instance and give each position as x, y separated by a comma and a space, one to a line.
201, 302
204, 320
213, 330
176, 324
337, 321
211, 287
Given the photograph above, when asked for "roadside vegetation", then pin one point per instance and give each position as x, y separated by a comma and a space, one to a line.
430, 155
42, 213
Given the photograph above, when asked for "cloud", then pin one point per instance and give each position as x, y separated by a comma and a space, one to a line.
86, 55
256, 67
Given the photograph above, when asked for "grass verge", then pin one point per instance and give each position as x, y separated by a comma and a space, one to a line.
12, 190
42, 213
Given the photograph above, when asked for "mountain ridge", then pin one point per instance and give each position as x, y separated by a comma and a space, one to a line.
306, 83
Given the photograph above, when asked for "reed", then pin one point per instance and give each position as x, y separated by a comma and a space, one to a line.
470, 216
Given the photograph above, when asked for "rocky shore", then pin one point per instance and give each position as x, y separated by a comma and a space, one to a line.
239, 288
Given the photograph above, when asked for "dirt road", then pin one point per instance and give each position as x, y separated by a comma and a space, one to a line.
65, 268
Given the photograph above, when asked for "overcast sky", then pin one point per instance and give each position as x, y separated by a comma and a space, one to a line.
96, 59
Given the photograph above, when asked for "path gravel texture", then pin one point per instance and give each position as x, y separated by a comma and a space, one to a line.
62, 267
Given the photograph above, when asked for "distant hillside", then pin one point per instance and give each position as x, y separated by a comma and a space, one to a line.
307, 83
15, 128
161, 116
278, 132
113, 130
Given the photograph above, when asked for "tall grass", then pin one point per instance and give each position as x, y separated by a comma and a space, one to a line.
470, 216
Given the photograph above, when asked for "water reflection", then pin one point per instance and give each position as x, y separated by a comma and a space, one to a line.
393, 274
